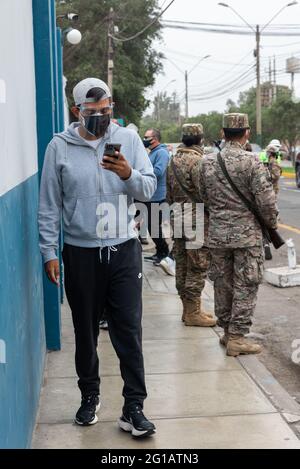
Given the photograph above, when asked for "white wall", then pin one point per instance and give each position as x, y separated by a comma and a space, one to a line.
18, 145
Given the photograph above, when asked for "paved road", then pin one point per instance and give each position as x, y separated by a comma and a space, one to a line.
289, 203
278, 310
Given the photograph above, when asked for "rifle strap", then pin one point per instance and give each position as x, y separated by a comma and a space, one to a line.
247, 202
182, 186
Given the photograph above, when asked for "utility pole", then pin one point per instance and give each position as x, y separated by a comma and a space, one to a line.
271, 92
258, 31
158, 107
186, 95
274, 71
110, 52
258, 89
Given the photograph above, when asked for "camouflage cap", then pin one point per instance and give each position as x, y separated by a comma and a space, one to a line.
192, 130
236, 121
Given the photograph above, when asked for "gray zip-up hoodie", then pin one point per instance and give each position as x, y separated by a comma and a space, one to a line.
93, 203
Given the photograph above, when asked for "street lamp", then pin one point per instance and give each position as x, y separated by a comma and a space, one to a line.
73, 36
186, 74
158, 97
257, 33
186, 77
165, 87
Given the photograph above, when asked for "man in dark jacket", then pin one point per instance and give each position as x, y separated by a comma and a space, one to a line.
159, 157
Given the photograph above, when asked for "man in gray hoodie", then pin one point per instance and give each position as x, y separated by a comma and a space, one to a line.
93, 194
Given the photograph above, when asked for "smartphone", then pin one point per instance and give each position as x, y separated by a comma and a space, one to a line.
111, 149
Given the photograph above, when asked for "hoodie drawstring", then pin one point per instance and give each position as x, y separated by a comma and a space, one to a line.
109, 250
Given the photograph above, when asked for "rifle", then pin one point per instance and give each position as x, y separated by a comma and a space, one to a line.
270, 234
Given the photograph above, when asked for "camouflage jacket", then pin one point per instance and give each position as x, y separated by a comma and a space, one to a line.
187, 161
232, 225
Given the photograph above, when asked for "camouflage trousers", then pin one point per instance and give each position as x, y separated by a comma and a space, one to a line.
191, 269
237, 274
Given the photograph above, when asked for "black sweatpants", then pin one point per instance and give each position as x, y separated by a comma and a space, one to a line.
113, 283
162, 249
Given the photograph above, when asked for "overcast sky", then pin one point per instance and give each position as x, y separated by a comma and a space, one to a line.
184, 48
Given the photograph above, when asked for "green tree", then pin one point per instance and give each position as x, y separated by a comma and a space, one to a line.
170, 131
281, 119
166, 108
212, 124
136, 62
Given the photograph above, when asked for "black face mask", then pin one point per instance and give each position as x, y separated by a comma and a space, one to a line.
147, 142
97, 125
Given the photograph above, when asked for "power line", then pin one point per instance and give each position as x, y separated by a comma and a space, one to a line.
233, 86
145, 28
228, 91
282, 45
284, 30
236, 80
181, 53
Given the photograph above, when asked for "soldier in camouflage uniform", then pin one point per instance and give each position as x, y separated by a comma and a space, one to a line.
191, 264
273, 166
235, 237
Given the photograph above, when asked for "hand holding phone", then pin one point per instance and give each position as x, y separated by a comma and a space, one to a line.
114, 161
111, 149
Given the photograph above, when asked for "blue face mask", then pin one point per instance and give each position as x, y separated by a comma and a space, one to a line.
147, 142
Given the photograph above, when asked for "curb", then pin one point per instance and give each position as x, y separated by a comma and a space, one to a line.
288, 175
280, 398
283, 402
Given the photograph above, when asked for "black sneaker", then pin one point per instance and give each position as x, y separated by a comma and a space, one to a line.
154, 258
133, 420
143, 240
103, 325
86, 414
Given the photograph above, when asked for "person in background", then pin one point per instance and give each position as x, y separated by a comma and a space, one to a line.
271, 159
235, 237
159, 157
274, 167
191, 264
263, 156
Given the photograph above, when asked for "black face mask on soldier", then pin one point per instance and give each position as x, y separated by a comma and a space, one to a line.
96, 124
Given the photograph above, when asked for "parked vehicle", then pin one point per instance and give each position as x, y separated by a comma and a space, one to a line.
297, 169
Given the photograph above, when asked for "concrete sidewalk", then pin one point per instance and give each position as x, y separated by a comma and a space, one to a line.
198, 397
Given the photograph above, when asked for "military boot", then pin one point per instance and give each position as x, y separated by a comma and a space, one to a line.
209, 315
194, 316
224, 338
238, 345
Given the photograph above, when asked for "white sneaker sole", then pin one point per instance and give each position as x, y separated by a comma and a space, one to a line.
95, 419
167, 269
128, 427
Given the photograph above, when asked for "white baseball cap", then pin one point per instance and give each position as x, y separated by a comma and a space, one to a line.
83, 87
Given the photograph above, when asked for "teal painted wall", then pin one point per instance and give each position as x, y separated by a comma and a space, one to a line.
48, 72
22, 327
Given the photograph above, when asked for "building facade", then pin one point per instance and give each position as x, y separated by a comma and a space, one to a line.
30, 112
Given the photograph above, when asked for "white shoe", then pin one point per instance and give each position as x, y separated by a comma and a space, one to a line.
168, 265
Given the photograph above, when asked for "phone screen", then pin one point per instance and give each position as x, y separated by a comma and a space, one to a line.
111, 148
